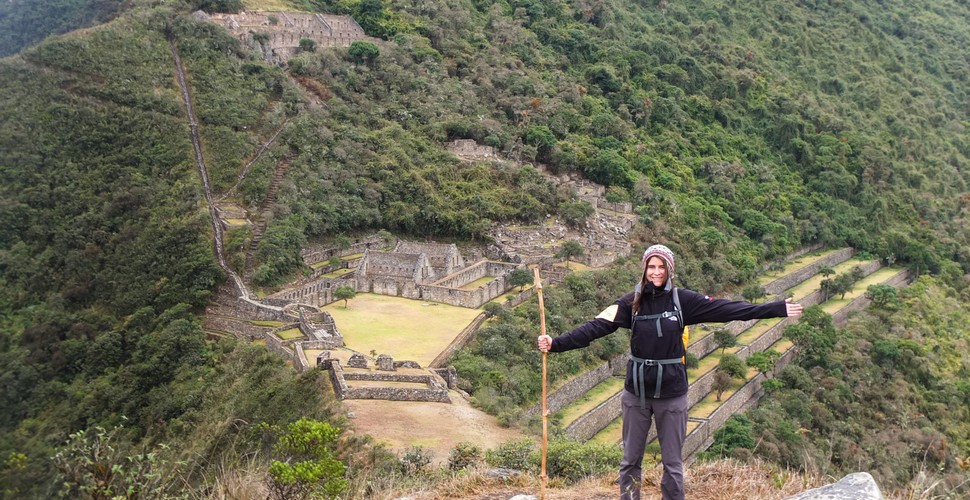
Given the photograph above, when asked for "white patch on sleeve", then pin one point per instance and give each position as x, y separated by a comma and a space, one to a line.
609, 314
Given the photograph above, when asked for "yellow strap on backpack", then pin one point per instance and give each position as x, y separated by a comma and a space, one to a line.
686, 337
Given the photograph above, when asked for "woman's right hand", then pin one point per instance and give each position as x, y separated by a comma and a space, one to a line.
545, 343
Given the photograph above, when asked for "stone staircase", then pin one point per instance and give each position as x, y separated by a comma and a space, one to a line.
266, 211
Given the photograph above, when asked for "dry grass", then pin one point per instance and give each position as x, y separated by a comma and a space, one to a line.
719, 480
402, 328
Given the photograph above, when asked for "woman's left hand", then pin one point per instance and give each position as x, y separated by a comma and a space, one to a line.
793, 309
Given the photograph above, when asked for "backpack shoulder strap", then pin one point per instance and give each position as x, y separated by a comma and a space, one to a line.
680, 314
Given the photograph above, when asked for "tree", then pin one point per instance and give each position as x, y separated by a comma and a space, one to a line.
308, 467
344, 293
733, 366
725, 339
520, 278
883, 296
722, 381
574, 214
569, 249
334, 262
826, 271
363, 52
308, 45
814, 335
763, 361
753, 293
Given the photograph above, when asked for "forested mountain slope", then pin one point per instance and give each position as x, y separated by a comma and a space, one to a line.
740, 130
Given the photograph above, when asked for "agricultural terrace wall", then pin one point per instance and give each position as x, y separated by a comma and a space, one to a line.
461, 340
607, 254
275, 344
766, 339
623, 207
796, 277
579, 385
708, 344
319, 293
235, 326
751, 392
794, 255
312, 256
595, 420
245, 308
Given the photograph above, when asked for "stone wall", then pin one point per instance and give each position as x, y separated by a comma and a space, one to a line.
794, 278
314, 255
623, 207
794, 255
445, 258
471, 149
284, 30
318, 293
595, 420
465, 298
435, 392
707, 345
235, 326
275, 344
579, 385
460, 340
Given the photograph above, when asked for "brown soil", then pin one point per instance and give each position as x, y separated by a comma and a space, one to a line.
437, 427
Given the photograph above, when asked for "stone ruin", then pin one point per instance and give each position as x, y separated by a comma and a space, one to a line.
283, 31
426, 271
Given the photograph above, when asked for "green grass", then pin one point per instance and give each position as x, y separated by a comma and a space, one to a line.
290, 334
477, 283
236, 222
794, 265
832, 305
781, 346
591, 399
338, 273
404, 329
272, 5
271, 324
812, 284
757, 330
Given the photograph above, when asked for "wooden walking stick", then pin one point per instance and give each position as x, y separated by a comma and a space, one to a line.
545, 413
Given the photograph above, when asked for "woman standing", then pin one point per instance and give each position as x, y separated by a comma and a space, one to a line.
656, 377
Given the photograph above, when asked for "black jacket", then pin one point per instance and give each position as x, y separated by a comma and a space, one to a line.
646, 343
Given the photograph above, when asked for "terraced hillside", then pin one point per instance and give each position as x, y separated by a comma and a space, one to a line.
595, 414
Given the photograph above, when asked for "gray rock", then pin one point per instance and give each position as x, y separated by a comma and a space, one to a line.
856, 486
357, 360
385, 363
502, 473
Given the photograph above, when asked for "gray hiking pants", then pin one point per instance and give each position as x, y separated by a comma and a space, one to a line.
671, 417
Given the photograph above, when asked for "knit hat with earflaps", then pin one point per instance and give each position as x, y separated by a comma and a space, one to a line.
667, 255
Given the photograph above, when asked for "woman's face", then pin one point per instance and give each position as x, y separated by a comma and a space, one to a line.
656, 271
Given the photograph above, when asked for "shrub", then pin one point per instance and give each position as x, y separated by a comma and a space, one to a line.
415, 460
511, 455
463, 456
574, 461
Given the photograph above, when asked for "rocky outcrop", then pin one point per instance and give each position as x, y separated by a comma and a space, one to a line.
855, 486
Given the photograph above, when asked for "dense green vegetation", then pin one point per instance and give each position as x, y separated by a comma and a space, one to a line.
740, 130
888, 394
